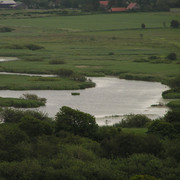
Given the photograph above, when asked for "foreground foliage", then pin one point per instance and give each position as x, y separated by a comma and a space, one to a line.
34, 147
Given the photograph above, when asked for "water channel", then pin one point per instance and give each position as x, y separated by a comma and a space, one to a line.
108, 101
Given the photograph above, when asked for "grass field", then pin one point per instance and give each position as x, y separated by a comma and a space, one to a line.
94, 45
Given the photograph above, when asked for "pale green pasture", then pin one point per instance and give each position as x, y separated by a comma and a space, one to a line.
105, 44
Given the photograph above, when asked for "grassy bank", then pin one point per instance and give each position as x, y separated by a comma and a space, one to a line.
20, 103
15, 82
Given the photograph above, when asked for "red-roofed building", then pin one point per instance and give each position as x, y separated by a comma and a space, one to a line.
118, 9
104, 4
132, 6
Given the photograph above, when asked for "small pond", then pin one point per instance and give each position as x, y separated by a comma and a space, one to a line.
4, 59
108, 101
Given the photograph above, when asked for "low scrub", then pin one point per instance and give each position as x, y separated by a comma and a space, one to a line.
56, 62
6, 29
26, 101
171, 94
134, 121
20, 103
174, 104
172, 56
33, 97
32, 47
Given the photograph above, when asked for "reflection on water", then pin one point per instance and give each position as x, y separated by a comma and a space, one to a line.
110, 97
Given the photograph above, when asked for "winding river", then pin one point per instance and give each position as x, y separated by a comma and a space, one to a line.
108, 101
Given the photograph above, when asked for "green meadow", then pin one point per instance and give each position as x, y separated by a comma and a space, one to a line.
92, 45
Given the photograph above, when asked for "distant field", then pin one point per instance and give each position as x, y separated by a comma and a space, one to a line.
94, 45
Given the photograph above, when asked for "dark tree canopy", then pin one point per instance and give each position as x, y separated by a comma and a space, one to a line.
77, 122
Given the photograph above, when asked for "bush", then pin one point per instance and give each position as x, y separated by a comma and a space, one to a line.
175, 24
137, 121
64, 72
26, 46
77, 122
175, 83
6, 29
56, 62
172, 116
110, 53
162, 129
143, 26
14, 116
125, 144
33, 47
35, 127
172, 56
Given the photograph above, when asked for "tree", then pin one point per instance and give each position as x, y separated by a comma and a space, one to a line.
172, 56
75, 121
35, 127
162, 129
143, 26
175, 24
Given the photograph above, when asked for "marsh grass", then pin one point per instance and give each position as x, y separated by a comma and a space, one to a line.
174, 104
20, 103
84, 44
15, 82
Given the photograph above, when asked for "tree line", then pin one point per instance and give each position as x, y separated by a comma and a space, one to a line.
72, 146
93, 5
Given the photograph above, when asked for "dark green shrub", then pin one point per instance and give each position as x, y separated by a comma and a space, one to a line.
105, 132
125, 144
56, 62
172, 56
142, 164
77, 122
153, 57
33, 47
14, 116
78, 77
110, 53
143, 26
172, 116
173, 149
175, 83
175, 24
162, 129
35, 127
6, 29
134, 121
64, 72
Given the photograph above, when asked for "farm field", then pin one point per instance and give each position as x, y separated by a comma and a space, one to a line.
93, 45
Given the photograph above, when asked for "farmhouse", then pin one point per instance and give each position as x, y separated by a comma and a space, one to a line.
118, 9
104, 4
7, 3
130, 7
133, 6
